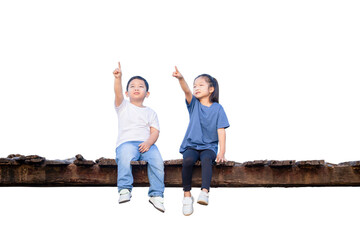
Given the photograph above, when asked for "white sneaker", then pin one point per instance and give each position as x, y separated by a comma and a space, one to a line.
188, 206
158, 203
203, 198
124, 195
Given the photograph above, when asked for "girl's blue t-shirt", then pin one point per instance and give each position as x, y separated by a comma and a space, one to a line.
204, 122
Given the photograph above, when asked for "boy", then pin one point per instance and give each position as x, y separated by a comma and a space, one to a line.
138, 130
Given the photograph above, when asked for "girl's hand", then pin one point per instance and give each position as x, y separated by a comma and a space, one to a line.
220, 157
177, 74
117, 72
144, 147
183, 85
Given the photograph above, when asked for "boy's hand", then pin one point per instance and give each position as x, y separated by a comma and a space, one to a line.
220, 157
144, 147
117, 72
177, 74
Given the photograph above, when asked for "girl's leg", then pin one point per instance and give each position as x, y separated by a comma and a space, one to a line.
155, 170
126, 152
207, 158
190, 156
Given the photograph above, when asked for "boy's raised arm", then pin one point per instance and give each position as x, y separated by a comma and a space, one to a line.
119, 96
183, 84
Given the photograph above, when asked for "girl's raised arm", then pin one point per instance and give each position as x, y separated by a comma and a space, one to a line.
119, 96
183, 84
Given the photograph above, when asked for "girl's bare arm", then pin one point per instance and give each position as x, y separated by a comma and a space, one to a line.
183, 85
222, 144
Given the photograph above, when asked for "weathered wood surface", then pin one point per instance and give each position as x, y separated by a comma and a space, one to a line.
33, 170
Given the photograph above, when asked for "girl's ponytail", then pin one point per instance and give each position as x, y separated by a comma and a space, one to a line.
215, 95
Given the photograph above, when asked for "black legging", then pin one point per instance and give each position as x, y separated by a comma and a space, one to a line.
190, 156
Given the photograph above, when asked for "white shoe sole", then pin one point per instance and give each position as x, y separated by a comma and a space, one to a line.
124, 201
188, 214
202, 202
161, 210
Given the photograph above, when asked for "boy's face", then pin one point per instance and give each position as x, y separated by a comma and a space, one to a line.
137, 90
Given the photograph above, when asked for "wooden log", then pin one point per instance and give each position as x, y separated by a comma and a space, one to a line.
19, 170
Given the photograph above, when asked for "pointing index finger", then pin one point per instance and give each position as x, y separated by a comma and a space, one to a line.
176, 69
119, 66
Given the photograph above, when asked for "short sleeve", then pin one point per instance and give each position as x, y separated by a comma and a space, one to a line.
191, 106
121, 106
222, 121
154, 122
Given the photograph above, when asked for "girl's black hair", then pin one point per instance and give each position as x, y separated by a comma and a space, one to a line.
138, 77
214, 97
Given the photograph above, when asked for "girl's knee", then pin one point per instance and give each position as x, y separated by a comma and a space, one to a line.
190, 156
188, 161
208, 157
207, 160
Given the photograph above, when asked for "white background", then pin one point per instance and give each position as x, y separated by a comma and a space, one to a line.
288, 73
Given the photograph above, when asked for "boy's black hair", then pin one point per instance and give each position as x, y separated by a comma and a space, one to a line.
138, 77
214, 97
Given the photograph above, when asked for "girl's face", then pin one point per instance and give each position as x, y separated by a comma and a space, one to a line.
202, 88
137, 90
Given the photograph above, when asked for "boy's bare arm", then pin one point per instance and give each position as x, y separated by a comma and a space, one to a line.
119, 96
154, 135
222, 142
183, 84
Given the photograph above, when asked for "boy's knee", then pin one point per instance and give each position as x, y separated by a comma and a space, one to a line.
153, 156
123, 163
126, 152
156, 163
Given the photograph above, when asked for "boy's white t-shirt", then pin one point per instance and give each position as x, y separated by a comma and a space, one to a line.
134, 122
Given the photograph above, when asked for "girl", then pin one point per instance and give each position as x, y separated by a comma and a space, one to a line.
206, 129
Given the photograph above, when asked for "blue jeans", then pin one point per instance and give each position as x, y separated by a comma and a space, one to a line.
129, 151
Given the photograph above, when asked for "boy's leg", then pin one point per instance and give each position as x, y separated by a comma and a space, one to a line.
207, 158
190, 156
155, 171
126, 152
